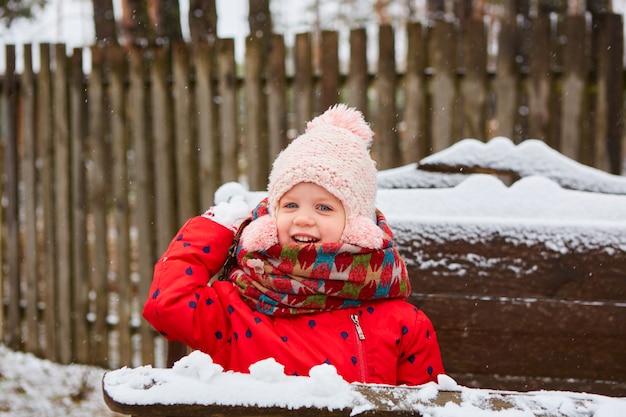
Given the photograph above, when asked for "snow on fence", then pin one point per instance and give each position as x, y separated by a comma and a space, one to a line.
99, 169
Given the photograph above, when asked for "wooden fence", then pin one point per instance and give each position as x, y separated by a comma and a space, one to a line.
99, 169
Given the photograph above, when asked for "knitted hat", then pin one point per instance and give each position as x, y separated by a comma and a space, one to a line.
333, 153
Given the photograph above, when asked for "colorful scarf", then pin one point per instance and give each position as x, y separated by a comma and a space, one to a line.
308, 278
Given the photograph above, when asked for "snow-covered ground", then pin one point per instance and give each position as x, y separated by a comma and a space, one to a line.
32, 387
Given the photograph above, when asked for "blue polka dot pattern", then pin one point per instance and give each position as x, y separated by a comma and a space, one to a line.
257, 320
427, 334
186, 244
231, 310
209, 301
248, 333
411, 358
206, 249
180, 237
284, 338
370, 309
353, 359
192, 304
405, 330
312, 323
430, 370
156, 294
218, 335
344, 335
189, 271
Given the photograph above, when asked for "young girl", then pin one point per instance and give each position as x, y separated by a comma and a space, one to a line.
317, 278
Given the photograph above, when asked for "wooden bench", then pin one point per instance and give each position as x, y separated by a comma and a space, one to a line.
161, 392
517, 306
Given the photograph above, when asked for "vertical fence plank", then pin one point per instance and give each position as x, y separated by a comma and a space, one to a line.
328, 69
11, 210
28, 167
62, 179
506, 84
386, 149
255, 144
276, 103
610, 96
228, 110
539, 79
473, 88
414, 144
358, 75
80, 290
116, 58
144, 188
303, 81
48, 249
442, 52
99, 340
575, 108
184, 124
165, 175
206, 122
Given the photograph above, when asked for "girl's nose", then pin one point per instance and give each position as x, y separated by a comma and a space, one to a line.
303, 219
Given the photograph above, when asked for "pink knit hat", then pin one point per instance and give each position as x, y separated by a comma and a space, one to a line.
333, 153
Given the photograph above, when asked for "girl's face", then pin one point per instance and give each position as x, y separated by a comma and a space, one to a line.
307, 213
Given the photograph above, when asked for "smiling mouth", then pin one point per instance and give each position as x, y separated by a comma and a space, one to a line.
304, 239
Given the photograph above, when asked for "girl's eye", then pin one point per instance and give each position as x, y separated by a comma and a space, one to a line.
324, 207
290, 205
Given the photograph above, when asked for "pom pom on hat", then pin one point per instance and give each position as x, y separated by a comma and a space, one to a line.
333, 153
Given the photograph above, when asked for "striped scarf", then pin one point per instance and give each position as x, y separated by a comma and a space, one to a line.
315, 277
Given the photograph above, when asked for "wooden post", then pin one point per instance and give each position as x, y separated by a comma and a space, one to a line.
228, 133
11, 212
62, 195
303, 81
358, 75
276, 104
32, 258
80, 269
329, 69
386, 148
414, 146
473, 88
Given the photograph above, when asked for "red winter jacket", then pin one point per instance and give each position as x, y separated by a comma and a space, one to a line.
387, 342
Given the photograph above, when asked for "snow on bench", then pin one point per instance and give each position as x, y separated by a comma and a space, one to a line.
196, 386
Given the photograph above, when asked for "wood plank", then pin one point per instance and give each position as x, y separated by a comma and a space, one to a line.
228, 132
386, 148
415, 144
506, 83
140, 137
358, 74
473, 84
496, 261
378, 400
303, 81
116, 57
31, 199
609, 30
164, 173
256, 140
10, 216
98, 191
48, 249
206, 122
62, 147
547, 337
186, 155
540, 81
80, 268
575, 142
442, 53
276, 104
328, 70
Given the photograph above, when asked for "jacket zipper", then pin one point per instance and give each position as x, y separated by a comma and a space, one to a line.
359, 346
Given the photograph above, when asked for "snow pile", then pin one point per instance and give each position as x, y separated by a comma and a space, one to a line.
32, 387
196, 380
530, 158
